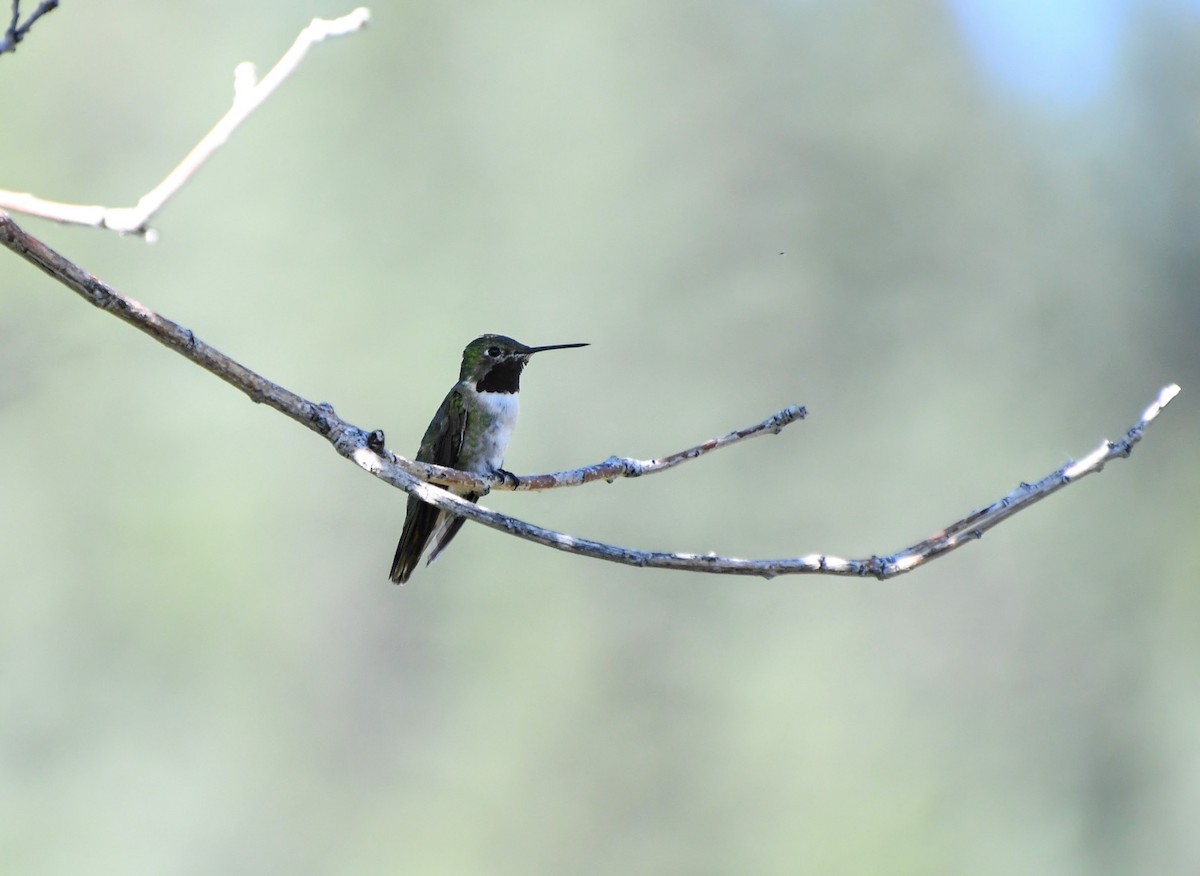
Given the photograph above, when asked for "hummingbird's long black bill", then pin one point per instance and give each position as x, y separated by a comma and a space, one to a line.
533, 350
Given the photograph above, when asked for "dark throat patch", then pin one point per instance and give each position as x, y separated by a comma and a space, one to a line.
504, 377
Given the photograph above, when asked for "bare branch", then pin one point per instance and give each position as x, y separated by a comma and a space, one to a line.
166, 332
16, 31
320, 417
969, 529
248, 95
360, 446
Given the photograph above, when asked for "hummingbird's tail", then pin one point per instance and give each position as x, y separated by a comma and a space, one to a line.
418, 526
424, 526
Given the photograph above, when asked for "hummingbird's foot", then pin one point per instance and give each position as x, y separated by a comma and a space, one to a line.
509, 478
375, 440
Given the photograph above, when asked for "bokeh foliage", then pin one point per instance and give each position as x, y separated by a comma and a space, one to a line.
741, 206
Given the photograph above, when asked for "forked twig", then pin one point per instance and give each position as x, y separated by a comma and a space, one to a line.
248, 95
16, 30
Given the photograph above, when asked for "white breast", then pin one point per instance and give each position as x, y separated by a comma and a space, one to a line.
503, 408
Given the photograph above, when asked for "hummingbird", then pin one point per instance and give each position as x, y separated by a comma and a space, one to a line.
469, 432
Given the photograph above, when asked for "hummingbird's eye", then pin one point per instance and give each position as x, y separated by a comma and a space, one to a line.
493, 352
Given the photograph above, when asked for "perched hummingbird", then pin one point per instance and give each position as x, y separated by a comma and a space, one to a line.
470, 432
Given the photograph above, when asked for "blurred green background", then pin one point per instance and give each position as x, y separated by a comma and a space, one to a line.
966, 279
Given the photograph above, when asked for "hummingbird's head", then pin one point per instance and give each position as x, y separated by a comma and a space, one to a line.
493, 363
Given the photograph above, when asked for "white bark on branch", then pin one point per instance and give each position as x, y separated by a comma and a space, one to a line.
248, 95
366, 450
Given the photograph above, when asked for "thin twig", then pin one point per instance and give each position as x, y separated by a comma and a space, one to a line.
248, 96
358, 445
16, 31
609, 470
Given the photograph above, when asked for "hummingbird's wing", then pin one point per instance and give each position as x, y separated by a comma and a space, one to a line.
441, 445
445, 525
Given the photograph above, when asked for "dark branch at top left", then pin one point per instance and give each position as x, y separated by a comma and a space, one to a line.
16, 29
